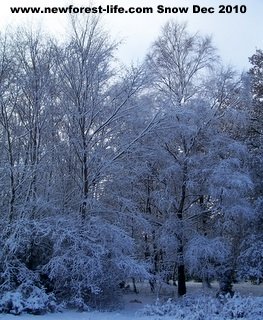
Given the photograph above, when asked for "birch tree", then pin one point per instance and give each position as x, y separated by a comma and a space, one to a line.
195, 136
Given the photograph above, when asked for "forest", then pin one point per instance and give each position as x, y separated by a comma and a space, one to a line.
113, 174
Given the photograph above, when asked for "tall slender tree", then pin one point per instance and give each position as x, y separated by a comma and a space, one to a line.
196, 135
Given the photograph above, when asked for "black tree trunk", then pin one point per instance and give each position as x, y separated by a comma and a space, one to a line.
181, 289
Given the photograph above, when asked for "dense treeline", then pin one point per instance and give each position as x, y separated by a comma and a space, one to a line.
152, 172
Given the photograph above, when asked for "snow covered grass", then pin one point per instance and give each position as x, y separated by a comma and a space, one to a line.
199, 304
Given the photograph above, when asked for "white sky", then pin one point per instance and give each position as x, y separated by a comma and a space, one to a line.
236, 35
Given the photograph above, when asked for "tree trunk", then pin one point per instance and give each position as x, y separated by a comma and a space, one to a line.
180, 251
181, 281
225, 283
206, 283
181, 289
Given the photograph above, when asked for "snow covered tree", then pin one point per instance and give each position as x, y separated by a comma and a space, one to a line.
204, 169
250, 257
60, 113
94, 103
27, 94
8, 126
178, 61
175, 61
109, 174
250, 266
205, 257
256, 129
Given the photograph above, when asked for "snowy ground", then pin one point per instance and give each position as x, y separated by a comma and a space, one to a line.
134, 303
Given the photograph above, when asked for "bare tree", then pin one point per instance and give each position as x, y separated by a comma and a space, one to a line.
178, 60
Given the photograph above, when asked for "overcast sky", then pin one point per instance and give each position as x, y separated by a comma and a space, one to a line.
236, 35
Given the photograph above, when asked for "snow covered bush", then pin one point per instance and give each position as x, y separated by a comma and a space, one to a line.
27, 298
74, 262
208, 308
25, 249
89, 261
